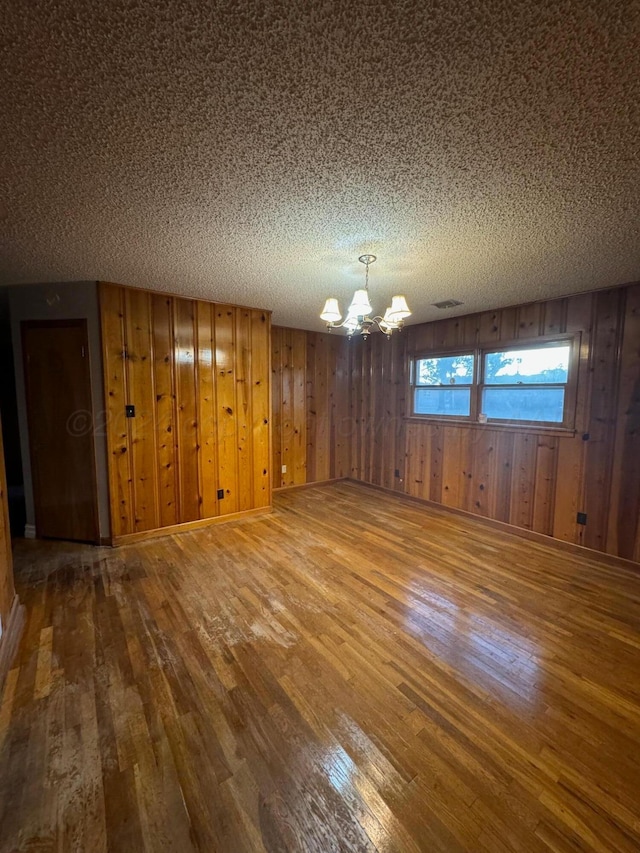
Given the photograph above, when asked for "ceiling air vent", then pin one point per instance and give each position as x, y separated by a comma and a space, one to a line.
447, 303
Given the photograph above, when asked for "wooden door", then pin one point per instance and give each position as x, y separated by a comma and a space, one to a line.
6, 566
58, 385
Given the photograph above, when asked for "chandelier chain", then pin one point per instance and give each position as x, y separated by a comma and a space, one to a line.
366, 260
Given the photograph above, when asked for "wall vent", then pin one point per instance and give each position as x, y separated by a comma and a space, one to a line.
447, 303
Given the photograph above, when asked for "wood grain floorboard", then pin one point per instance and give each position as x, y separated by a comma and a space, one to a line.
350, 673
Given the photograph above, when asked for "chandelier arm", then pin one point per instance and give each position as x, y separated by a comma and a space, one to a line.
380, 321
340, 325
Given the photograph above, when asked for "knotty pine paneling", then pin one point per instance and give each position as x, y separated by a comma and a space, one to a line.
623, 530
529, 478
187, 392
378, 399
311, 414
198, 375
227, 427
164, 423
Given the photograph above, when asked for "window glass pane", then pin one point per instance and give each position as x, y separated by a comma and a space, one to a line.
442, 401
524, 404
446, 370
537, 366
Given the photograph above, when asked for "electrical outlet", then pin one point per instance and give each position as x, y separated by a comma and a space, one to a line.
284, 469
220, 494
582, 518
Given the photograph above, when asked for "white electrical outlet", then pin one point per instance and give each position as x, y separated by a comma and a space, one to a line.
284, 469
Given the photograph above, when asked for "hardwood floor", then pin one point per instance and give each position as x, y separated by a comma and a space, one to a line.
351, 673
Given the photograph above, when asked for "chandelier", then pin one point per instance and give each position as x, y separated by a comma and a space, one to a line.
358, 317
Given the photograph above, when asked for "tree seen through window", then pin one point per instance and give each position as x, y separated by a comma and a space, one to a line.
515, 384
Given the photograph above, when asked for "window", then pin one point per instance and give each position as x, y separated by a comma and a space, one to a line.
526, 383
443, 385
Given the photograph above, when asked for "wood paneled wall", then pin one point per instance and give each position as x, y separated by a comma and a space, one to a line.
378, 399
530, 478
198, 376
311, 414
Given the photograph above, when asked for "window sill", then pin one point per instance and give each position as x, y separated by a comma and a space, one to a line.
523, 426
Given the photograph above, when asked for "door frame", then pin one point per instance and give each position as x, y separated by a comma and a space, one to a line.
80, 323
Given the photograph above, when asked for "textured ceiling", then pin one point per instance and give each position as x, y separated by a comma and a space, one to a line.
249, 152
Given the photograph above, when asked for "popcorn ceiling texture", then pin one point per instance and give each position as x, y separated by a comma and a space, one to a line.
249, 152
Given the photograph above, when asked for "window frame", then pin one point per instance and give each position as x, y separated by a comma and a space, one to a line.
450, 353
479, 351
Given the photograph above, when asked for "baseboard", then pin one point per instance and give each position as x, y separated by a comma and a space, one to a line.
29, 531
11, 639
128, 538
310, 485
522, 532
